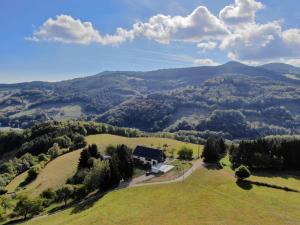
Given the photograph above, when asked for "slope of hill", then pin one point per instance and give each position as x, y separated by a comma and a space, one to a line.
56, 173
171, 99
206, 197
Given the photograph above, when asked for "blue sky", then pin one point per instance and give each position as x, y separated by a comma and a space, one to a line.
35, 47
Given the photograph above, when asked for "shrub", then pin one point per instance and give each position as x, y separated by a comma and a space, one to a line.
3, 190
28, 207
33, 172
48, 194
43, 157
54, 151
242, 172
185, 153
80, 192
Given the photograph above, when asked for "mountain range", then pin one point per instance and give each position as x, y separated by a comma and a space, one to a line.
235, 100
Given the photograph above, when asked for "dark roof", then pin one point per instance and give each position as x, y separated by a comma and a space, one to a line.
151, 153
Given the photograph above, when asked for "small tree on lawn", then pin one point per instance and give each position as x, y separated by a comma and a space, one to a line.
64, 193
242, 173
185, 153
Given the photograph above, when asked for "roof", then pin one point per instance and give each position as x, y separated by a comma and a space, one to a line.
151, 153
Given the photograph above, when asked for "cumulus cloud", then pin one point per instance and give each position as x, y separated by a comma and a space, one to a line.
197, 26
234, 31
66, 29
243, 11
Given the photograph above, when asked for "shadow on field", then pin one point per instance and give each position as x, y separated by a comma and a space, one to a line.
86, 204
248, 185
244, 184
213, 166
281, 174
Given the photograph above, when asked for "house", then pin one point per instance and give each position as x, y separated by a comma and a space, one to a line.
150, 156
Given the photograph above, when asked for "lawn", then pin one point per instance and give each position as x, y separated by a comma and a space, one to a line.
103, 140
207, 197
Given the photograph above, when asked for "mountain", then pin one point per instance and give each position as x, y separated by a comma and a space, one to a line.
236, 100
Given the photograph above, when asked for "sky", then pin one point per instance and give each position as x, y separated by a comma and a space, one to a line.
62, 39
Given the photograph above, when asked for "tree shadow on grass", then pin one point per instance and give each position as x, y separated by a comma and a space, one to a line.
281, 174
248, 185
87, 203
213, 166
244, 184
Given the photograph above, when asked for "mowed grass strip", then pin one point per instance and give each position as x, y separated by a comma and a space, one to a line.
104, 140
207, 197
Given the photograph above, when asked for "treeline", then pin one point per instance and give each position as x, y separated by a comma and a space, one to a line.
37, 146
267, 153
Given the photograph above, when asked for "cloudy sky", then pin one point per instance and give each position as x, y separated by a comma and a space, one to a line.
56, 40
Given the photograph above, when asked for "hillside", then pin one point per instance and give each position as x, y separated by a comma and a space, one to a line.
56, 173
209, 196
196, 98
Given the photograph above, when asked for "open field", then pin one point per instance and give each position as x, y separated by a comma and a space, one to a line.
103, 140
53, 175
207, 197
59, 170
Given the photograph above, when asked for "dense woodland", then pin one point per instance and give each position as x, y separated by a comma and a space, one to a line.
234, 100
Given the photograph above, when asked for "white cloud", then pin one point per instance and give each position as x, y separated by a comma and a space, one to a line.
242, 12
66, 29
234, 31
210, 45
197, 26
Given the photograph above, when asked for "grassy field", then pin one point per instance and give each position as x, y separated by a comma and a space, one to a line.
103, 140
207, 197
53, 175
59, 170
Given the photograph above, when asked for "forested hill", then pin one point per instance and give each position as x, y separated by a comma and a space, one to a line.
234, 99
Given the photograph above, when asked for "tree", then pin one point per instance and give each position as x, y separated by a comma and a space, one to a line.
115, 175
91, 152
98, 177
64, 193
124, 156
242, 172
54, 151
28, 207
185, 153
211, 150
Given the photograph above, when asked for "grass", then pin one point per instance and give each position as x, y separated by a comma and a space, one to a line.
52, 176
207, 197
103, 140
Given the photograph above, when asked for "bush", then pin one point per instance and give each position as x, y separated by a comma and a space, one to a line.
98, 177
185, 153
48, 194
54, 151
80, 192
43, 157
33, 172
28, 207
242, 173
3, 190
